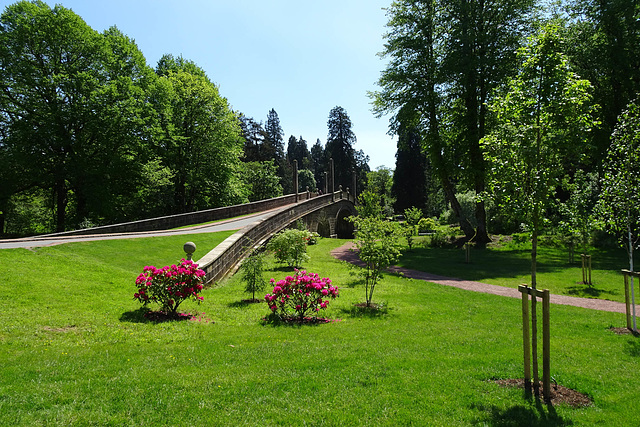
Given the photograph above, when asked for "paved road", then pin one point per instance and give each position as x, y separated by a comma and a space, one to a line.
230, 224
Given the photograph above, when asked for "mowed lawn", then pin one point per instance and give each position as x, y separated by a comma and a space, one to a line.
74, 351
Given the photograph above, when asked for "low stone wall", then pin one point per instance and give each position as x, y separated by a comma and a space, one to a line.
224, 258
190, 218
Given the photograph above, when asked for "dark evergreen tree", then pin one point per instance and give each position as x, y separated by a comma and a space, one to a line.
297, 150
274, 147
318, 162
340, 141
254, 137
409, 180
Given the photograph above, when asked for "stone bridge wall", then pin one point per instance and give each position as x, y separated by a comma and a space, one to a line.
189, 218
225, 257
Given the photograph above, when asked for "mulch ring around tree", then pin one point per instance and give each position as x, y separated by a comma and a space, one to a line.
559, 394
623, 331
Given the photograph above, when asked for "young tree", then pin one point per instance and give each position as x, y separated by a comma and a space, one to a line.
252, 268
412, 217
619, 204
378, 245
543, 117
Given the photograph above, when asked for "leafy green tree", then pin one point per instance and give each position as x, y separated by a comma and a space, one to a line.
74, 111
369, 205
604, 46
412, 217
619, 203
378, 245
445, 59
543, 117
306, 180
380, 182
261, 180
200, 141
254, 136
340, 141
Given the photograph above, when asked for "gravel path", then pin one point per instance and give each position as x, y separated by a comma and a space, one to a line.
346, 253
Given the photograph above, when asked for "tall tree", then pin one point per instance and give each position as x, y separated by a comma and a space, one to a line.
201, 138
297, 150
340, 141
274, 149
254, 136
605, 48
72, 104
409, 180
446, 56
318, 162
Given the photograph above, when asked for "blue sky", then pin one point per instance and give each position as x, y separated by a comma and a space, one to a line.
300, 57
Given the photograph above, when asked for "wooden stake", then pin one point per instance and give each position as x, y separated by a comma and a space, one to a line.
546, 344
526, 339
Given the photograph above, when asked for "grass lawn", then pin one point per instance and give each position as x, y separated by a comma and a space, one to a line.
73, 351
510, 266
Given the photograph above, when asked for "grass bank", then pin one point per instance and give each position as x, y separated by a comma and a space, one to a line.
73, 351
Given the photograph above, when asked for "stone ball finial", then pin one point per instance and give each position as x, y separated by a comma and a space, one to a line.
189, 249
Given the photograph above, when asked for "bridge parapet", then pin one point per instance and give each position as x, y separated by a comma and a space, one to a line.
225, 257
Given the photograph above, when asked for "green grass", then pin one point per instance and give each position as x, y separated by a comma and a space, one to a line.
510, 266
74, 352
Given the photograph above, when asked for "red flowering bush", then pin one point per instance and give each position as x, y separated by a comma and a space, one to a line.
169, 286
300, 294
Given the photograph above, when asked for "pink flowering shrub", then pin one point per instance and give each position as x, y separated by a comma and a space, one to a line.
298, 295
169, 286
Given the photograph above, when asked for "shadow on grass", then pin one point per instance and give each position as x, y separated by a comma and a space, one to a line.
586, 291
633, 347
244, 303
520, 415
274, 320
361, 310
145, 315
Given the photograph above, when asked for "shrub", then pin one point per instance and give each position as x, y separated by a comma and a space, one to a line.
300, 294
290, 247
426, 224
169, 286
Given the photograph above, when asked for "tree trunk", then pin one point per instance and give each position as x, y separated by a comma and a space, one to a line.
61, 204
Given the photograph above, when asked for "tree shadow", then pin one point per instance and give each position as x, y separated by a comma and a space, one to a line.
532, 415
589, 291
275, 321
361, 310
135, 316
245, 303
633, 347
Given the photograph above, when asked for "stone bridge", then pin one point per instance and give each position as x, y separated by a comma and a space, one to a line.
324, 214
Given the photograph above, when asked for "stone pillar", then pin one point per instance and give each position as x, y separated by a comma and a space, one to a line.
333, 182
355, 198
326, 182
295, 179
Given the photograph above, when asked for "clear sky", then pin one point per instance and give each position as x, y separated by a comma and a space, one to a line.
300, 57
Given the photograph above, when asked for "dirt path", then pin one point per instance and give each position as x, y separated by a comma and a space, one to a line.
345, 253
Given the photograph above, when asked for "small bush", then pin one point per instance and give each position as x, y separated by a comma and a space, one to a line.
290, 247
426, 224
169, 286
302, 293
